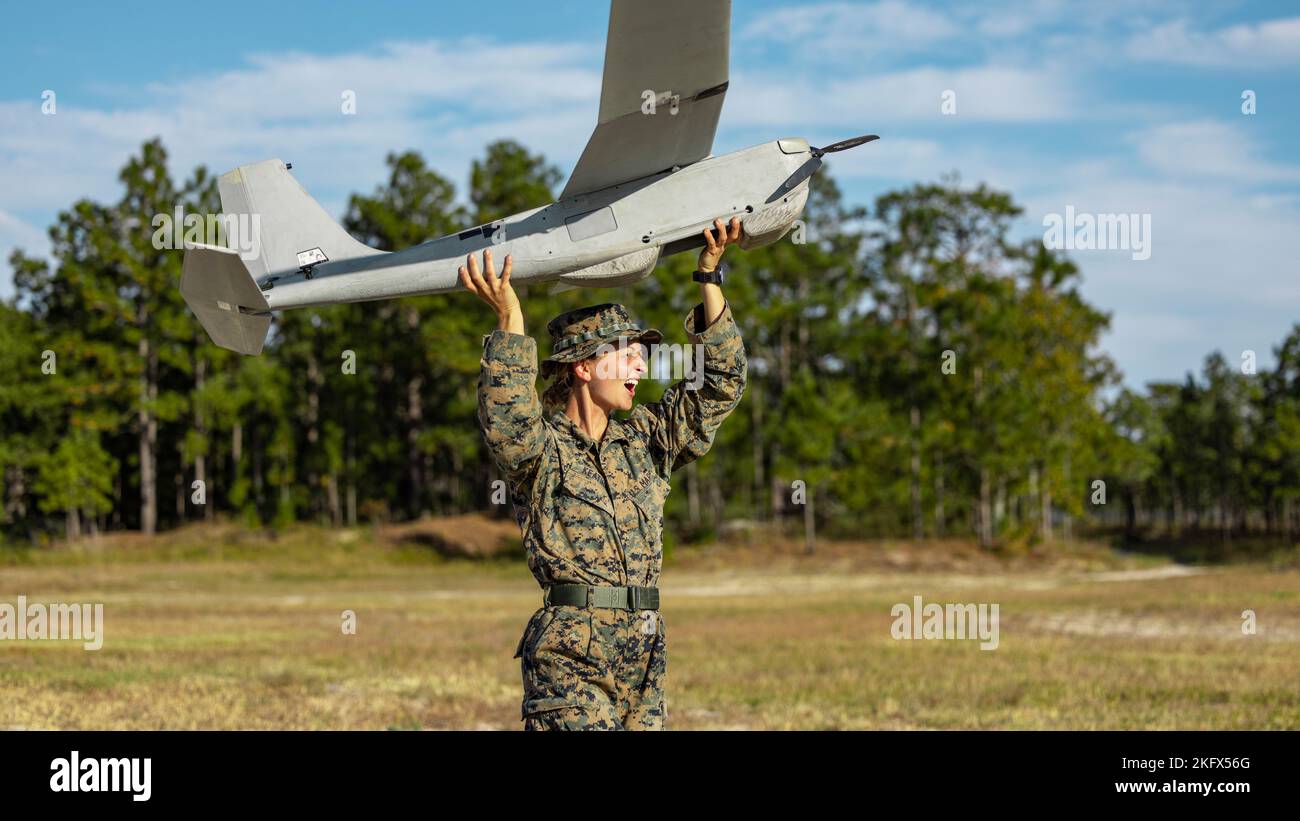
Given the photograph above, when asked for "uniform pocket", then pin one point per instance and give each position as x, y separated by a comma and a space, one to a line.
541, 618
568, 633
650, 498
591, 490
533, 706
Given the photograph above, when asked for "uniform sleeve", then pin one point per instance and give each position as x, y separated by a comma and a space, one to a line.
681, 426
508, 408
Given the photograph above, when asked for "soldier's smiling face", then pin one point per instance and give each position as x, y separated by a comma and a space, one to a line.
613, 374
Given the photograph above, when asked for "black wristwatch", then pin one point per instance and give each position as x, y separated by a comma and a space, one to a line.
714, 276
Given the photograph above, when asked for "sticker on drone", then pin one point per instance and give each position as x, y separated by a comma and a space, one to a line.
313, 256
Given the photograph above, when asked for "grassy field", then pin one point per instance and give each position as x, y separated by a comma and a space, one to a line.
216, 627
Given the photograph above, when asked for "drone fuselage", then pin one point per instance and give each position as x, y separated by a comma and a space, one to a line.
608, 237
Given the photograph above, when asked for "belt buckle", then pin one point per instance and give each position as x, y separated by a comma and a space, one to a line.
634, 598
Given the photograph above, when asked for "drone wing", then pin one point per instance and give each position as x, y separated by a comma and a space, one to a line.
677, 50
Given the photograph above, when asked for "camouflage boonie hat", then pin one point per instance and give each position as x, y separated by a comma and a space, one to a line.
578, 334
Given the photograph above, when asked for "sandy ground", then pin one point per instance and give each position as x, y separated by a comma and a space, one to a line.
228, 633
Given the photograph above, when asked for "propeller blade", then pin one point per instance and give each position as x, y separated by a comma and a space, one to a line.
843, 145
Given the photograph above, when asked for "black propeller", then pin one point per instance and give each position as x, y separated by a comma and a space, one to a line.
843, 145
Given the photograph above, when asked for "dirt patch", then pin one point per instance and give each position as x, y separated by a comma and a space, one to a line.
1130, 625
775, 552
472, 536
1173, 571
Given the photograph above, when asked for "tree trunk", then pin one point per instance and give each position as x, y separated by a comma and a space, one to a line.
1286, 520
783, 356
313, 435
332, 492
236, 456
983, 517
414, 423
285, 496
760, 481
148, 424
1000, 504
693, 493
1045, 510
15, 507
259, 480
918, 519
776, 490
178, 481
120, 479
717, 503
200, 458
1130, 516
1225, 521
938, 495
457, 465
1067, 526
809, 523
914, 429
986, 510
349, 467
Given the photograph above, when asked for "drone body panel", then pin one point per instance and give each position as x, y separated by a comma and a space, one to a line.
613, 224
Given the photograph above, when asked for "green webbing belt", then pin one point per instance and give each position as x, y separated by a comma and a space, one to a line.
585, 595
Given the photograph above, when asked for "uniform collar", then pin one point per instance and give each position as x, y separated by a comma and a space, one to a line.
613, 431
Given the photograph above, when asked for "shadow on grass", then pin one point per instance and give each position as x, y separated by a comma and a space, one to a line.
1204, 547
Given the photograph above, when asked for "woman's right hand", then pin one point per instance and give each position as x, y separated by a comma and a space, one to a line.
495, 290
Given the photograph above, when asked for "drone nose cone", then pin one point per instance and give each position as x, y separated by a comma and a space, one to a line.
793, 145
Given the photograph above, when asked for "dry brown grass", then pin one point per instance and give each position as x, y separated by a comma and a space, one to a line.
216, 627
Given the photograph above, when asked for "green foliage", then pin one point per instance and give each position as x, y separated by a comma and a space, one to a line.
76, 476
921, 373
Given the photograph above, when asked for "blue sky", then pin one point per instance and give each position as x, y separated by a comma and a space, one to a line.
1106, 107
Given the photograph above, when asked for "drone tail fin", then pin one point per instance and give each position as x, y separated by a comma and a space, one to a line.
222, 293
279, 227
273, 228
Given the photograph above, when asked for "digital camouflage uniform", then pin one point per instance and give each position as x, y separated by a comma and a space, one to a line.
592, 513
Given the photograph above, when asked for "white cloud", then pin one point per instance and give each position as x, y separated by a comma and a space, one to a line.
1221, 273
1206, 149
444, 99
902, 160
871, 102
18, 234
1083, 34
1247, 45
1018, 20
292, 103
395, 81
860, 31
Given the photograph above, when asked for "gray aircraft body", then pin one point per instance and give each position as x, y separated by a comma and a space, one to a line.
645, 186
